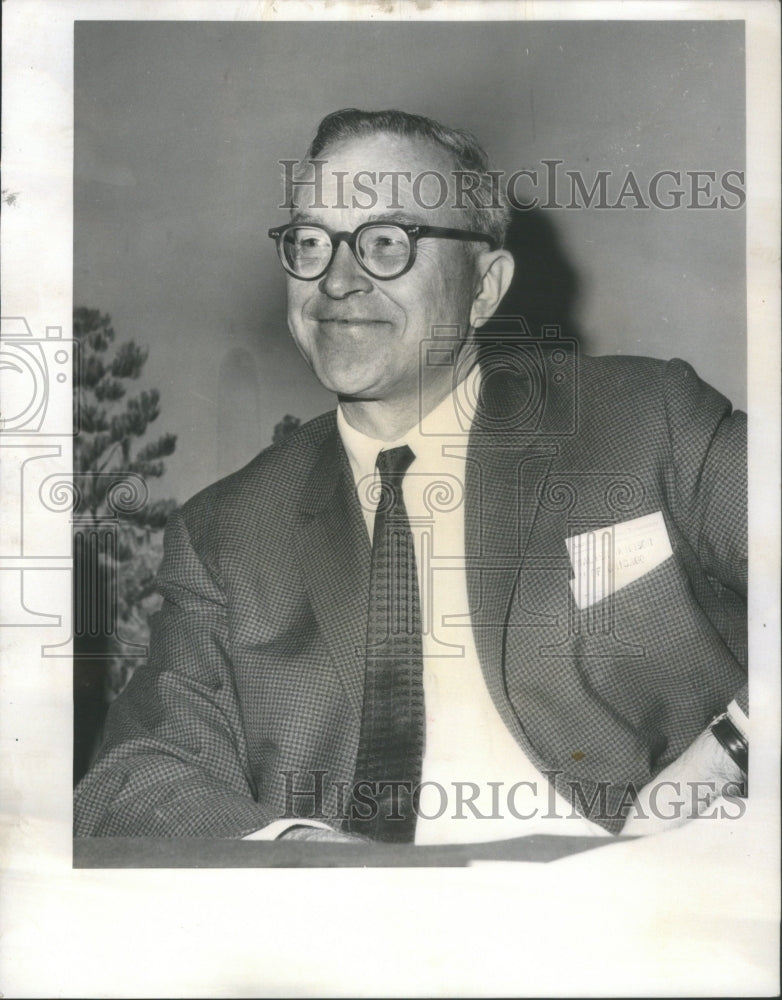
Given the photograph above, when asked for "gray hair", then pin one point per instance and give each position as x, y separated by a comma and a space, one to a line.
486, 208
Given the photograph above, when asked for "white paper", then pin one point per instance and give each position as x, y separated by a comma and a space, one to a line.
607, 559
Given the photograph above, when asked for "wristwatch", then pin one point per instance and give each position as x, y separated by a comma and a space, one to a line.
731, 739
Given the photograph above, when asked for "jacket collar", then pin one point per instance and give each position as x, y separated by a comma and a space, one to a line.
330, 466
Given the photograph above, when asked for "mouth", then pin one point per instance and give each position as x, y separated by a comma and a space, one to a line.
351, 321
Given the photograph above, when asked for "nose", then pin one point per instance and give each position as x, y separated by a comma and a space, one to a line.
345, 275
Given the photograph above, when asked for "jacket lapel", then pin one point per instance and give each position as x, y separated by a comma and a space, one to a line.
510, 452
334, 554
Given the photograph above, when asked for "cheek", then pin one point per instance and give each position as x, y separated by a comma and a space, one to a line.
447, 296
297, 300
448, 268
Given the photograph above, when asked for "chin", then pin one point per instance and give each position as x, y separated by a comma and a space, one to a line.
347, 378
344, 384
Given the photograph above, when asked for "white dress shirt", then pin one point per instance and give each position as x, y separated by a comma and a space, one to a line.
472, 764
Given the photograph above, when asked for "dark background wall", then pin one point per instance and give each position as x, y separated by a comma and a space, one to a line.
180, 126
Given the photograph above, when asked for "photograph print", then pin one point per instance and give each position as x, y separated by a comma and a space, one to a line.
410, 477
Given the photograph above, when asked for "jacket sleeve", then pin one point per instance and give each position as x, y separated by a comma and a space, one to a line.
174, 759
709, 461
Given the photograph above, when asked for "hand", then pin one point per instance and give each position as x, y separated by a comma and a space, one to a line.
685, 789
316, 833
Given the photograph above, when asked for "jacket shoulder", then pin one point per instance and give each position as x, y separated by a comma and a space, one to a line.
264, 488
619, 372
646, 386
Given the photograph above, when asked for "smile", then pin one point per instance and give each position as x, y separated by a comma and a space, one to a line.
357, 321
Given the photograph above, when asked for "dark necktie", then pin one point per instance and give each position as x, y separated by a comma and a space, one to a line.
391, 742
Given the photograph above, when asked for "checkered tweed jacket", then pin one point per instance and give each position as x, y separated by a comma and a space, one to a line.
256, 664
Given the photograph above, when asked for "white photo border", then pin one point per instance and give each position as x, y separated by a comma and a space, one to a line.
683, 916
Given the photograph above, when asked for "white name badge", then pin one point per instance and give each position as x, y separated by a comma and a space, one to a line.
607, 559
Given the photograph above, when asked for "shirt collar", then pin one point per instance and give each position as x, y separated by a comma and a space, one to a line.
451, 419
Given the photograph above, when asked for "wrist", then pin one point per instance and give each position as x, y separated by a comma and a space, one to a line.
733, 746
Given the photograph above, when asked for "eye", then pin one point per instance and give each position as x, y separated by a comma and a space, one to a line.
305, 244
384, 241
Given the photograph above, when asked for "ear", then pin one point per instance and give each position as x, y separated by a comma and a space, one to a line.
496, 269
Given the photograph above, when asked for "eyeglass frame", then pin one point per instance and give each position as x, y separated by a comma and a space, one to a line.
413, 230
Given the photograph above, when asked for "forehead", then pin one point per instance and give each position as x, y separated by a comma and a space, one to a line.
383, 151
378, 175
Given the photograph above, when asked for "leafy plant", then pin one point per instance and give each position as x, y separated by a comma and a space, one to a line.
286, 426
112, 467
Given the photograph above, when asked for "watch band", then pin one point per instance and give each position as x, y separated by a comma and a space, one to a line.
731, 740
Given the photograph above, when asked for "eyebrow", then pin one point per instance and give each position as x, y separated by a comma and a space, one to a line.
393, 215
396, 215
298, 216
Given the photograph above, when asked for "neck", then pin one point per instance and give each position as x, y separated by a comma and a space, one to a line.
389, 420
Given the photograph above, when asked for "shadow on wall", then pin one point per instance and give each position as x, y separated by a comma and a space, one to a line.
545, 286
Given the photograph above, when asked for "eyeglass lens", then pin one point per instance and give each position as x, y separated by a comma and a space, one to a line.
384, 250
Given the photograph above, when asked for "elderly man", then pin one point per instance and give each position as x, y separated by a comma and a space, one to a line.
500, 591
